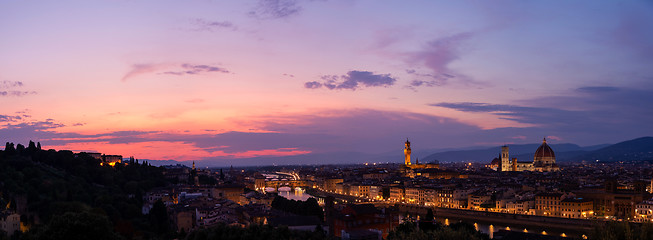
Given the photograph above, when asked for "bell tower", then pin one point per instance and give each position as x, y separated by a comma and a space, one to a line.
505, 159
407, 152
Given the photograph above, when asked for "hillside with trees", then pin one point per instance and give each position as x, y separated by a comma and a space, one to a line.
52, 190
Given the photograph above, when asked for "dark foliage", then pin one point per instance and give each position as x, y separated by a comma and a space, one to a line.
78, 226
56, 183
159, 217
461, 231
254, 232
207, 180
622, 230
310, 207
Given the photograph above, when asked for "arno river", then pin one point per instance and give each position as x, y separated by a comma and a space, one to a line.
485, 227
299, 193
490, 228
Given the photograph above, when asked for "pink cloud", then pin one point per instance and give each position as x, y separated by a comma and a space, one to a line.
441, 52
172, 69
180, 151
554, 138
138, 69
437, 56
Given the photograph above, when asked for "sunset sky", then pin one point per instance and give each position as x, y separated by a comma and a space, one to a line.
228, 80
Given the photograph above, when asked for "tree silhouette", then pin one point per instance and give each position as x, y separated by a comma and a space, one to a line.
159, 217
56, 183
408, 230
622, 230
80, 226
10, 149
20, 148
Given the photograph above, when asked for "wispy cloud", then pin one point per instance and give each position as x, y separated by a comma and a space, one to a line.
633, 32
10, 84
541, 116
9, 87
189, 69
427, 79
437, 56
352, 80
597, 89
207, 25
582, 110
272, 9
138, 69
16, 93
10, 118
172, 69
325, 131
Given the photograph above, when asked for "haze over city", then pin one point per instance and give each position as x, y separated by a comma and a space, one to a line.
204, 80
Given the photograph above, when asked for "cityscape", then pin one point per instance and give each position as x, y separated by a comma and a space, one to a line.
500, 199
326, 119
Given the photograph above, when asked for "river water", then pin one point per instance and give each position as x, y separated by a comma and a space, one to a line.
298, 194
490, 228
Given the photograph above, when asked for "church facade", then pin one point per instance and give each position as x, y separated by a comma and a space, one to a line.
544, 160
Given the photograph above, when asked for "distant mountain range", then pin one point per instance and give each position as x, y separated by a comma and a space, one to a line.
636, 149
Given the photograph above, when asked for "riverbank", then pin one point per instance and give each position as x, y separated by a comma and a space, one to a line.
494, 221
569, 224
338, 197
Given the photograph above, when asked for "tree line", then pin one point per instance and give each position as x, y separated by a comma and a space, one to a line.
58, 186
310, 207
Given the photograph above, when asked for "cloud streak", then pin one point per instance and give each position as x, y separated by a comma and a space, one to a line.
10, 118
172, 69
353, 130
206, 25
189, 69
327, 131
274, 9
16, 93
437, 56
353, 80
139, 69
9, 85
610, 111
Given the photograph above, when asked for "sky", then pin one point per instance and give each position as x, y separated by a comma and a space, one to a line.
225, 81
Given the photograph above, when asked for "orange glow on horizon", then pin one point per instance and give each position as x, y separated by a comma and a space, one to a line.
179, 151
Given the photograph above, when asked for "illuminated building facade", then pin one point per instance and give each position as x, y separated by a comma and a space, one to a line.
544, 160
408, 167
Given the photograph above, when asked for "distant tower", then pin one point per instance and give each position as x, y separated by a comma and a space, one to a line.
407, 152
505, 159
193, 173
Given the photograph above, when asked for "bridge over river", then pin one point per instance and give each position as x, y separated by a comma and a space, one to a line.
292, 180
489, 222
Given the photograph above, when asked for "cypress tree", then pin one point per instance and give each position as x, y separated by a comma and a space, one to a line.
9, 148
20, 148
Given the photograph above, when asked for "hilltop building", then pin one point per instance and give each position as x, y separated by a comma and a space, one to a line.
544, 160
